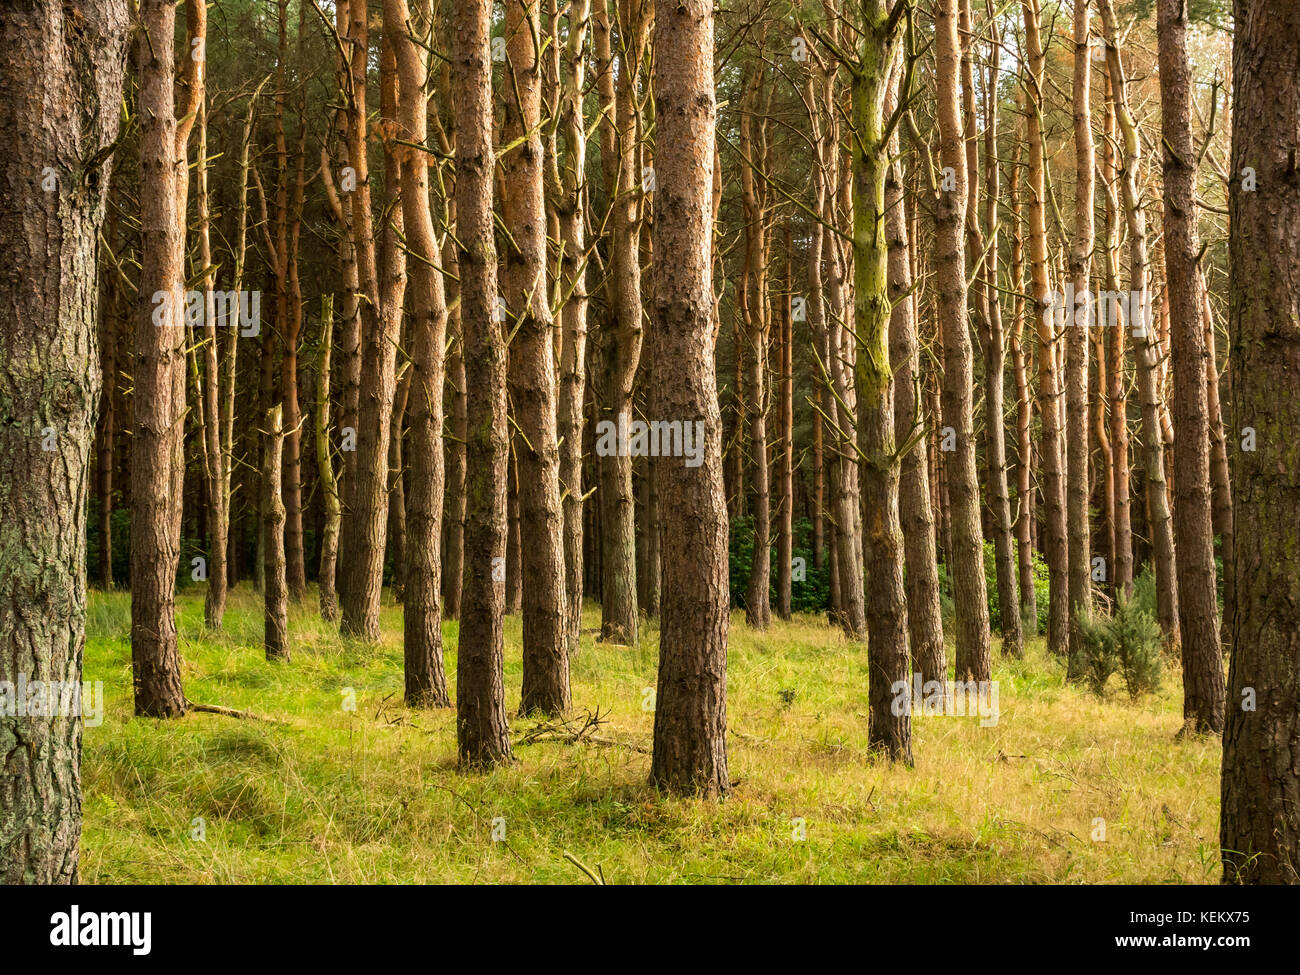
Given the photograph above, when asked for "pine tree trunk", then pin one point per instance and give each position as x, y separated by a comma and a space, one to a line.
157, 464
889, 658
425, 680
481, 733
969, 591
1203, 688
916, 517
1260, 817
690, 752
533, 377
275, 636
1145, 345
60, 91
995, 363
621, 340
1077, 321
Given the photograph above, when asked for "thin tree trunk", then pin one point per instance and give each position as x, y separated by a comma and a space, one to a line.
481, 734
1050, 449
969, 591
1203, 688
533, 376
1077, 320
1145, 346
275, 636
157, 464
995, 363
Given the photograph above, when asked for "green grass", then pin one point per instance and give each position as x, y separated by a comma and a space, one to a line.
372, 795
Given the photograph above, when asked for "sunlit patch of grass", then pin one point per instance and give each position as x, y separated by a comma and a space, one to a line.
323, 794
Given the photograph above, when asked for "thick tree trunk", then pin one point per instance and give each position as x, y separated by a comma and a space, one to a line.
1260, 819
60, 90
1198, 608
533, 376
481, 734
889, 659
366, 512
690, 751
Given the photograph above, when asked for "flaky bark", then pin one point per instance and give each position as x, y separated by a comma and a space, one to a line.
969, 589
1198, 610
481, 734
532, 375
425, 680
61, 72
690, 752
1260, 818
157, 464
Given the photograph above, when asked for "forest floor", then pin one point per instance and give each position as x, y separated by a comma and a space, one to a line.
327, 794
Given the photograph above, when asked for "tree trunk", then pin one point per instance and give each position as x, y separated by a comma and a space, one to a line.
329, 544
1260, 818
969, 592
690, 751
995, 363
1198, 608
916, 517
481, 734
1145, 346
157, 464
621, 340
571, 210
533, 377
1077, 319
60, 91
276, 594
888, 656
426, 682
1051, 452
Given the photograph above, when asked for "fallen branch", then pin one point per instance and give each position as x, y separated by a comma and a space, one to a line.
230, 712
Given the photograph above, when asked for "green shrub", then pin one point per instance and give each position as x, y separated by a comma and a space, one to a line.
812, 595
1127, 641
